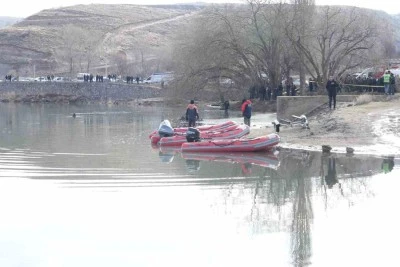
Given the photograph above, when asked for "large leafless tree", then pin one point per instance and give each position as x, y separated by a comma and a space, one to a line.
339, 39
266, 38
79, 48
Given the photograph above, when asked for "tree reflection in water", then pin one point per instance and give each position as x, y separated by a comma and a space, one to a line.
283, 189
302, 217
296, 182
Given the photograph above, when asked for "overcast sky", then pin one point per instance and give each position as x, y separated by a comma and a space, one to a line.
24, 8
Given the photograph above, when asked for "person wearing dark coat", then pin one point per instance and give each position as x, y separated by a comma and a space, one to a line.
332, 88
192, 114
310, 85
279, 90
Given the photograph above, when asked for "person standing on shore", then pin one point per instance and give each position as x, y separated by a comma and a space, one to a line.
226, 108
246, 111
192, 114
386, 82
332, 87
392, 84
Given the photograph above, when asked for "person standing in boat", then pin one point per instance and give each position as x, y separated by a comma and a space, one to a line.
192, 114
246, 111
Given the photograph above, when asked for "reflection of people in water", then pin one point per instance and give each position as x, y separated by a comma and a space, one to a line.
388, 164
166, 157
331, 179
192, 165
226, 114
305, 159
246, 168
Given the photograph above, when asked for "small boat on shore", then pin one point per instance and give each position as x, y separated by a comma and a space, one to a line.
262, 143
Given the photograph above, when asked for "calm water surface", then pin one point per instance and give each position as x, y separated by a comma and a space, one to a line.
91, 191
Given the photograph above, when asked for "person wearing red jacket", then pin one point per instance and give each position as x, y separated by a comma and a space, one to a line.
192, 114
246, 111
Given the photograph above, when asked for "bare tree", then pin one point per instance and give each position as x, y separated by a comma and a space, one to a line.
299, 24
266, 37
205, 51
90, 51
72, 37
268, 19
338, 40
120, 62
79, 48
242, 43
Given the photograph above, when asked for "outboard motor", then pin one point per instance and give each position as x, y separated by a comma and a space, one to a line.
277, 125
192, 135
165, 129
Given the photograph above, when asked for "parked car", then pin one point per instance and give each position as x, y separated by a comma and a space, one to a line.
59, 79
25, 79
159, 77
40, 79
296, 81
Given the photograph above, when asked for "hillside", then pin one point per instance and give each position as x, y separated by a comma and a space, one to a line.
111, 37
38, 40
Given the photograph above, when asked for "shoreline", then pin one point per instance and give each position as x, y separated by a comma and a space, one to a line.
372, 128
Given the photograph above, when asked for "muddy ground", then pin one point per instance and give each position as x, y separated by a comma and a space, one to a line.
372, 128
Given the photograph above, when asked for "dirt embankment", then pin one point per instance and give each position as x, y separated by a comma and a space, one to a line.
372, 128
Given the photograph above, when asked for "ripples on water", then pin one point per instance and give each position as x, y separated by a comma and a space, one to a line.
91, 191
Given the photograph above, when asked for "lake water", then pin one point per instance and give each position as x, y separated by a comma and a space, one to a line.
91, 191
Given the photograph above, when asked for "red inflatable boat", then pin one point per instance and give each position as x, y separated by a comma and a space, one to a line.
214, 127
231, 132
262, 143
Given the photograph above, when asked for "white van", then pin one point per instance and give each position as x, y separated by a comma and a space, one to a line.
79, 76
159, 77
